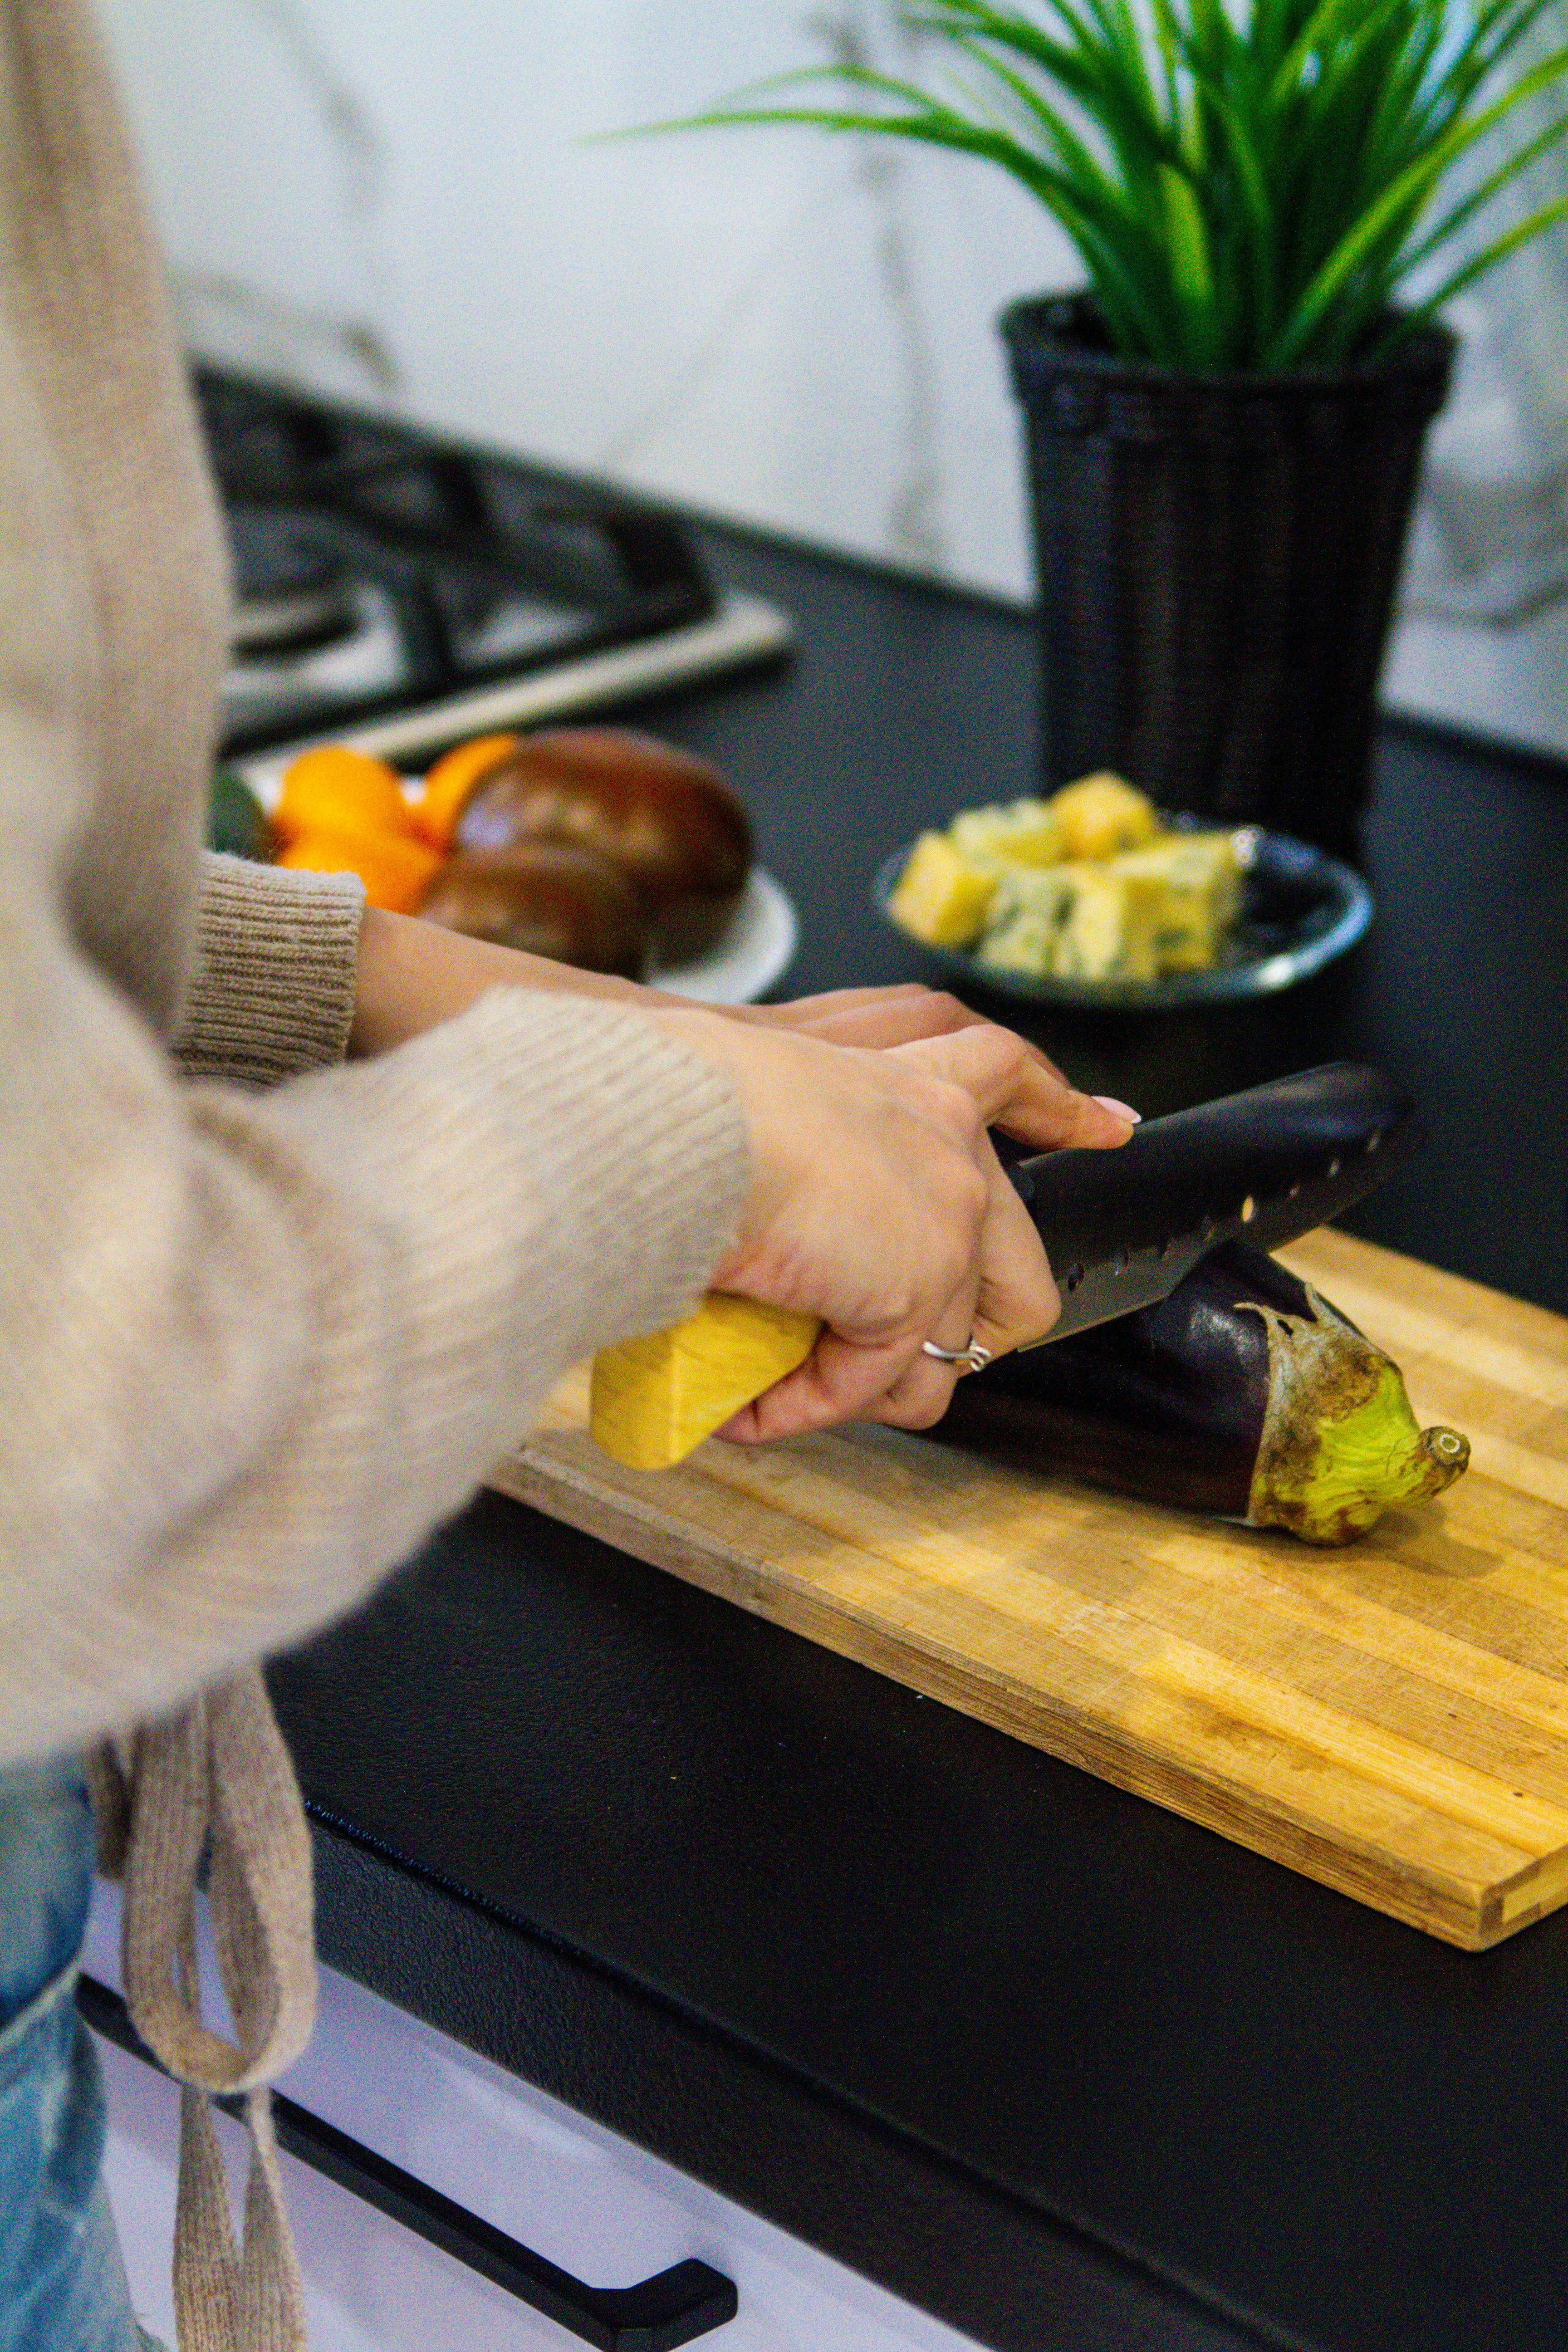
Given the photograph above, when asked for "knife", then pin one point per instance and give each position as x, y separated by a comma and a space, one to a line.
1121, 1229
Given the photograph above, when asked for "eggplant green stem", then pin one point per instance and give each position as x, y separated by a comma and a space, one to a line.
1339, 1442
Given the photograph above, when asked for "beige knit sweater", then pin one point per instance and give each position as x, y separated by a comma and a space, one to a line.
265, 1318
252, 1346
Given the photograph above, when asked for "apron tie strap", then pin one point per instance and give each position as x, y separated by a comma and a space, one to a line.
214, 1783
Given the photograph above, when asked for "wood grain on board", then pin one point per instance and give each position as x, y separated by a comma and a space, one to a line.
1391, 1720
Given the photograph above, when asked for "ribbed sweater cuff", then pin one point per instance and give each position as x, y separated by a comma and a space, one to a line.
271, 993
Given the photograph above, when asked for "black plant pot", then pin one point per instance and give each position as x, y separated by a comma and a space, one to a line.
1217, 558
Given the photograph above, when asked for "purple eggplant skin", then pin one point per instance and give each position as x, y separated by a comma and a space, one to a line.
1167, 1404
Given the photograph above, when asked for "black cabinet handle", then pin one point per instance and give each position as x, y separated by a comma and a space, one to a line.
678, 2305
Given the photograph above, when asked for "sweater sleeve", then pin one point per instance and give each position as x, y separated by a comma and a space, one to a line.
256, 1346
253, 1345
271, 989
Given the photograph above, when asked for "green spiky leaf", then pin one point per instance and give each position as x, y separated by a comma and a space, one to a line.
1248, 183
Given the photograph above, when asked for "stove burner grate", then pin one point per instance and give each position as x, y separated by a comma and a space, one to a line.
381, 569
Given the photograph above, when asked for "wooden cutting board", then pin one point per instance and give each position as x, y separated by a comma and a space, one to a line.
1391, 1718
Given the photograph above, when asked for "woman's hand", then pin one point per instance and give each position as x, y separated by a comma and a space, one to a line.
897, 1015
894, 1015
413, 975
878, 1204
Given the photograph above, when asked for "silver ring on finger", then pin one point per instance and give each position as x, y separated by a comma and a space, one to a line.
972, 1358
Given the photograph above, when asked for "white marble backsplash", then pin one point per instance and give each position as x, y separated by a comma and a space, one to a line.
391, 200
394, 201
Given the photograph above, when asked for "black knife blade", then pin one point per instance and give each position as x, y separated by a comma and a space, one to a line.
1123, 1228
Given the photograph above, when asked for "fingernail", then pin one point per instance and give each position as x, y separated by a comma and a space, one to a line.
1120, 1110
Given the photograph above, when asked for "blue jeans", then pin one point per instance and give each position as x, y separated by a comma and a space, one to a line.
62, 2282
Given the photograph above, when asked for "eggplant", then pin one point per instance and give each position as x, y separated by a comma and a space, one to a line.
1243, 1394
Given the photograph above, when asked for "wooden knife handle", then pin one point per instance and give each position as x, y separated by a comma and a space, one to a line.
655, 1400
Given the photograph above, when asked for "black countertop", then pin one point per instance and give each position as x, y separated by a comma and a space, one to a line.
1035, 2053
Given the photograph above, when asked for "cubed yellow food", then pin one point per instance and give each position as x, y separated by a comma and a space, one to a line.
1013, 833
653, 1401
941, 898
1101, 815
1107, 931
1024, 919
1200, 878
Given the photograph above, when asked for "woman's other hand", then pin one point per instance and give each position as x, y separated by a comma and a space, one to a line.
878, 1204
897, 1015
413, 974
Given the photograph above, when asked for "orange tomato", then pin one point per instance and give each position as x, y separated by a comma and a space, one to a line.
334, 790
396, 870
449, 782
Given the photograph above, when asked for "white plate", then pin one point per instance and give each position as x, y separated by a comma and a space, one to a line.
752, 951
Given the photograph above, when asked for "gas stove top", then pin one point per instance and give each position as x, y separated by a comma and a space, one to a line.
398, 591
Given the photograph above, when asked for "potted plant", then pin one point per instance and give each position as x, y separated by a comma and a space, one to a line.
1224, 425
